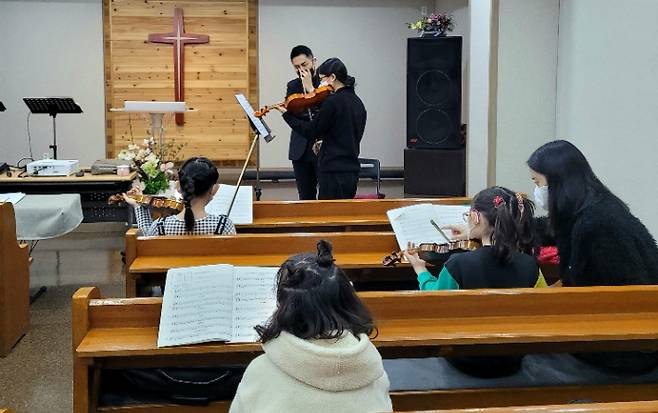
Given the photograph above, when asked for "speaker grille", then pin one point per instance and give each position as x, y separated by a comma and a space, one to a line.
434, 87
433, 127
434, 93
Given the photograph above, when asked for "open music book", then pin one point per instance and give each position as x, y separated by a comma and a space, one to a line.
414, 223
215, 303
243, 208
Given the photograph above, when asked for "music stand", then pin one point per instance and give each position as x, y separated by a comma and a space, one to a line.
260, 129
2, 107
52, 106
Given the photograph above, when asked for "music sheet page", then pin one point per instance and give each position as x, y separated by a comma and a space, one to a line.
254, 300
197, 305
414, 223
243, 208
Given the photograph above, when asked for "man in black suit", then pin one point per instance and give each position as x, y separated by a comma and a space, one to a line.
304, 160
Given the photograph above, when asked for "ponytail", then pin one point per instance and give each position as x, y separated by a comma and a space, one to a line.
196, 177
510, 214
335, 66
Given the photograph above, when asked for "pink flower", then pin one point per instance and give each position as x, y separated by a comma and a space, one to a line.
163, 167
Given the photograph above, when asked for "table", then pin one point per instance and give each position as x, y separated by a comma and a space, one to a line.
47, 216
94, 190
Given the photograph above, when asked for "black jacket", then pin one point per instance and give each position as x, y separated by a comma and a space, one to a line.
605, 245
299, 144
341, 123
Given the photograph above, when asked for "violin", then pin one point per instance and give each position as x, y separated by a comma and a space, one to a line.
151, 201
298, 102
432, 252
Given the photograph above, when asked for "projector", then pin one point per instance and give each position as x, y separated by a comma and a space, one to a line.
53, 167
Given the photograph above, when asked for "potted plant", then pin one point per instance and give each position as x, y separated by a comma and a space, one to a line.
437, 24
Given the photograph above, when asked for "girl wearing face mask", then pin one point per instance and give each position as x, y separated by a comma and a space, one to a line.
502, 220
599, 241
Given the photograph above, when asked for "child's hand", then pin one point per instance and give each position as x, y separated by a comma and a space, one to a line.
459, 232
415, 261
129, 200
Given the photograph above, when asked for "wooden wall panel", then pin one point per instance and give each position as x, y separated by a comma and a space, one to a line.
138, 70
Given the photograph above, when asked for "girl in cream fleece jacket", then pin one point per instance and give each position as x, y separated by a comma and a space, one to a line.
318, 357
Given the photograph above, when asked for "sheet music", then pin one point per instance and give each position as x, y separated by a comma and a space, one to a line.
243, 208
197, 305
413, 223
259, 124
254, 300
12, 197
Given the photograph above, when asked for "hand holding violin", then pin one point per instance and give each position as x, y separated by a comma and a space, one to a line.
128, 199
412, 256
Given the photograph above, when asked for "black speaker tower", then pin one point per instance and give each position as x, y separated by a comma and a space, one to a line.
434, 161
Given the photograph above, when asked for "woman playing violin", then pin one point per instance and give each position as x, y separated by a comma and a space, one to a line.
341, 123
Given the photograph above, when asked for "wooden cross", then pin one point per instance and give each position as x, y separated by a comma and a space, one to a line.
178, 38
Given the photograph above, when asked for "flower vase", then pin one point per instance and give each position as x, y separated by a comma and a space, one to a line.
432, 33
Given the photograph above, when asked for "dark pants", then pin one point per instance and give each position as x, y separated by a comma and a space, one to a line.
338, 185
306, 175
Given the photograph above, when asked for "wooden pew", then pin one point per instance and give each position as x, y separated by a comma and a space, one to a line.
149, 258
620, 407
332, 215
121, 333
14, 282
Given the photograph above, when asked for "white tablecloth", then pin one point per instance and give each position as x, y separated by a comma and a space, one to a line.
47, 216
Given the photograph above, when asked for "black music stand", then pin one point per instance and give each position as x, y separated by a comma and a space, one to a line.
52, 106
2, 107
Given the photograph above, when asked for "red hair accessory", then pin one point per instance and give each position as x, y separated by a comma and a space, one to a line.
498, 200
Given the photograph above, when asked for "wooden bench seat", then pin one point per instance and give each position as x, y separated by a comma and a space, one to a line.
14, 282
120, 333
153, 256
650, 406
332, 215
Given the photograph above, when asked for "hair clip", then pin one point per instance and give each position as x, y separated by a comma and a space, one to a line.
498, 200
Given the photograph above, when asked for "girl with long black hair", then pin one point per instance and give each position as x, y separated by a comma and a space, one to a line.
198, 182
340, 123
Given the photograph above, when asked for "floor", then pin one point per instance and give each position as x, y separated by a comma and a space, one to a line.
36, 377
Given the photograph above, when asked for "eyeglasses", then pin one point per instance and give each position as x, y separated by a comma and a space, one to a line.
466, 215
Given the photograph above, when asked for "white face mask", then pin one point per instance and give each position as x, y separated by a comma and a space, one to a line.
323, 83
541, 197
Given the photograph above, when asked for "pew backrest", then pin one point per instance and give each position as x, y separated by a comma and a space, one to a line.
650, 406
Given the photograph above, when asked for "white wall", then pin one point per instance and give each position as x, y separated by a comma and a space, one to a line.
370, 36
608, 95
477, 146
526, 94
52, 49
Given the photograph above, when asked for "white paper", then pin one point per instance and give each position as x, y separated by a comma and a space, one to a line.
413, 223
254, 301
249, 111
12, 197
216, 303
197, 305
243, 208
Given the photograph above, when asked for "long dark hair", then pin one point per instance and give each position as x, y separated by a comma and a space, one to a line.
315, 300
196, 176
510, 214
335, 66
572, 184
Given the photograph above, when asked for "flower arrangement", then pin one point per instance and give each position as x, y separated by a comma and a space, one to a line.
154, 173
438, 23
